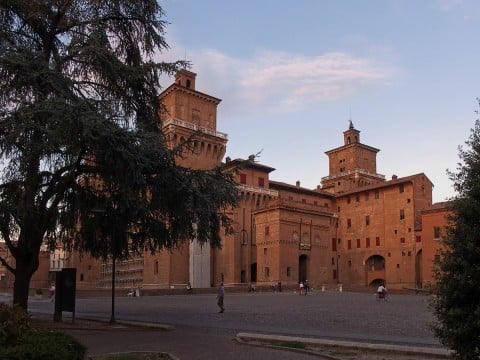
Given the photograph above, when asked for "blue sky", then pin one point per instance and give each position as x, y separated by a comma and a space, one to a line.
291, 73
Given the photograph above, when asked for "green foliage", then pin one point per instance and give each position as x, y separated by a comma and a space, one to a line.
457, 301
14, 322
45, 344
81, 137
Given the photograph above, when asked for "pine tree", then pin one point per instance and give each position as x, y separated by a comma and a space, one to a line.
81, 140
457, 301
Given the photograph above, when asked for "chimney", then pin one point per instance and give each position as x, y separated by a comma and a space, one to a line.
298, 183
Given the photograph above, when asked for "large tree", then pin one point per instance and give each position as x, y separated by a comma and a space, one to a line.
457, 301
81, 141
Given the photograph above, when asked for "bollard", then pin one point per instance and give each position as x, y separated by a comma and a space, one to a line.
323, 288
340, 287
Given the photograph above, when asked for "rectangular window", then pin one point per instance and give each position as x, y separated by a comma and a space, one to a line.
348, 200
264, 251
288, 272
436, 232
261, 182
367, 220
334, 244
402, 240
358, 243
349, 244
402, 214
418, 238
377, 241
349, 223
334, 273
367, 243
267, 230
243, 178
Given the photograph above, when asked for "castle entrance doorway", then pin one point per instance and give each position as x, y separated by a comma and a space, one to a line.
374, 269
302, 268
253, 272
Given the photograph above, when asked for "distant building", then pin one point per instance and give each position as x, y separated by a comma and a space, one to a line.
434, 224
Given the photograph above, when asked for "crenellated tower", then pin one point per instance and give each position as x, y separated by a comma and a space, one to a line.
352, 165
187, 113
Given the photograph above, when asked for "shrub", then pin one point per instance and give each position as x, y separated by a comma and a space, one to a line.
14, 322
18, 341
45, 344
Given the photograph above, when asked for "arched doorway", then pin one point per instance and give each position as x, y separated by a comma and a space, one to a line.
302, 268
374, 270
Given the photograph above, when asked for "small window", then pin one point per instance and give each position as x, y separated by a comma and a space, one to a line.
349, 223
267, 230
267, 272
81, 277
288, 272
418, 238
402, 240
243, 178
367, 220
264, 251
348, 200
261, 182
155, 268
304, 201
333, 261
334, 274
334, 244
349, 263
357, 198
377, 241
358, 243
402, 214
436, 232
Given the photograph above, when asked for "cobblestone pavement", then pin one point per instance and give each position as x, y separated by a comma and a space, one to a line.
200, 330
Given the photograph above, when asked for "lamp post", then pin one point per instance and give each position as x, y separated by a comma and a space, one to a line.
113, 248
114, 259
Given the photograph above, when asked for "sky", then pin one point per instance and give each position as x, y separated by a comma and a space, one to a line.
292, 73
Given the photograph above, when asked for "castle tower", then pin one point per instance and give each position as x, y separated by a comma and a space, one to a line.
352, 165
189, 123
190, 118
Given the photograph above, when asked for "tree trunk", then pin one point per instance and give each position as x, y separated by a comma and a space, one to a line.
25, 268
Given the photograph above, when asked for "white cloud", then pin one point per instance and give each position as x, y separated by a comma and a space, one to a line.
284, 81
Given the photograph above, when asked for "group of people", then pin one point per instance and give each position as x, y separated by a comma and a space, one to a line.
304, 287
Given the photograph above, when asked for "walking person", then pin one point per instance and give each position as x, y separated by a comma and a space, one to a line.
220, 298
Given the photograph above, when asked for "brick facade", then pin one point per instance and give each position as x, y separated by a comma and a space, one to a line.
357, 228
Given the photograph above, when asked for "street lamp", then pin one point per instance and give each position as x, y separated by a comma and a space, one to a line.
114, 259
113, 248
